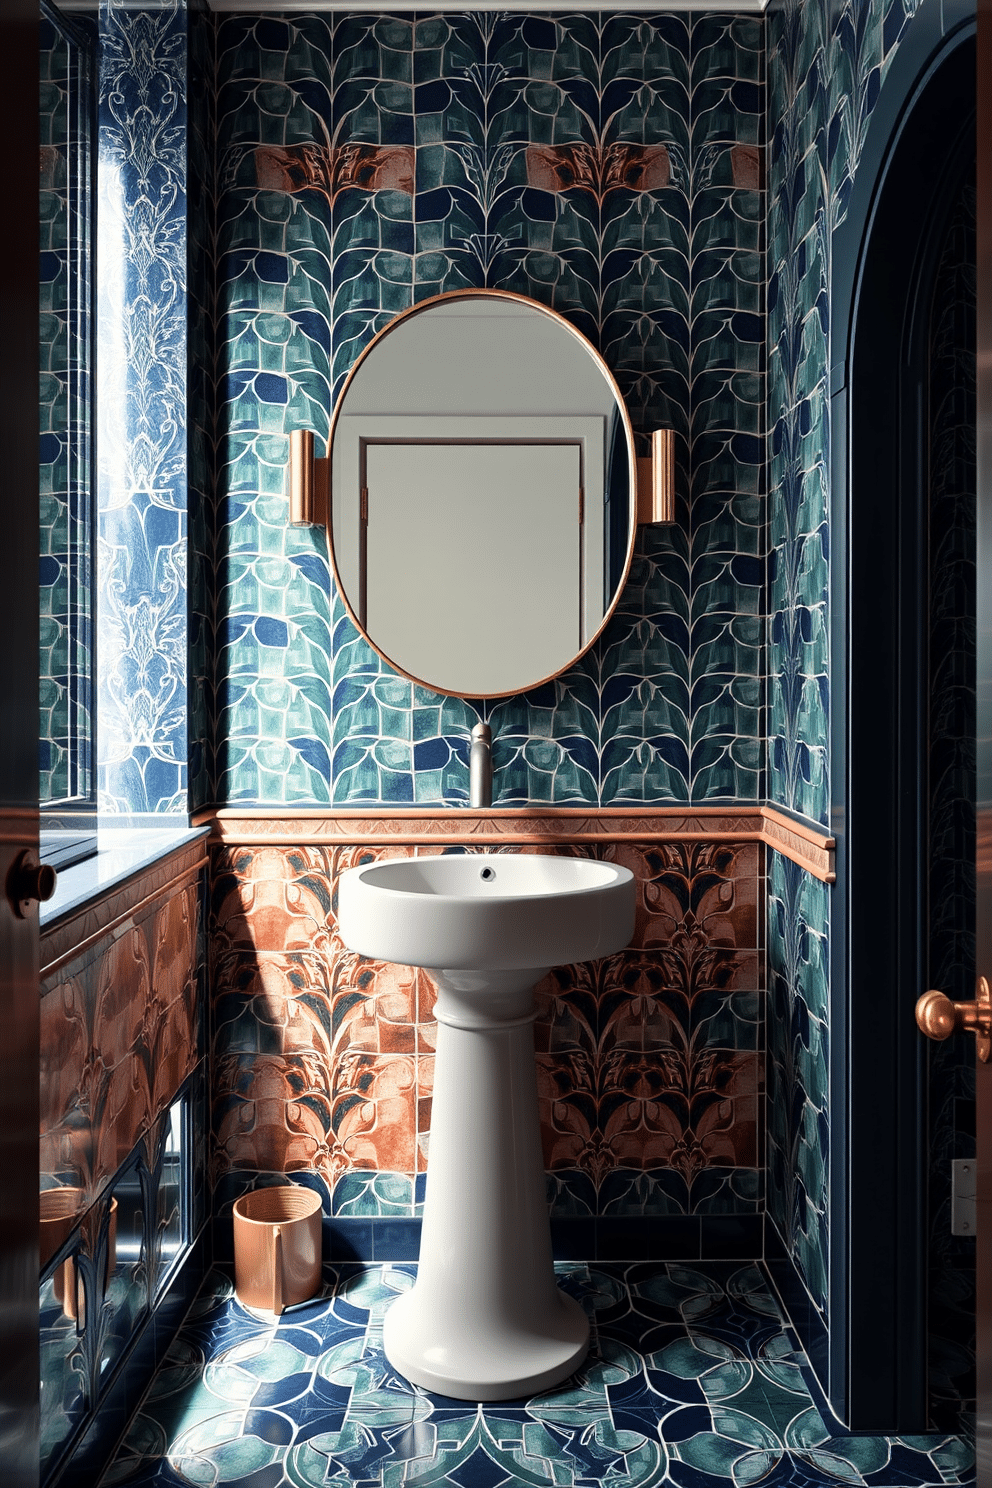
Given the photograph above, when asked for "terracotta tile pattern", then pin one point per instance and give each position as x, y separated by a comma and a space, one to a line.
118, 1037
598, 168
314, 167
647, 1060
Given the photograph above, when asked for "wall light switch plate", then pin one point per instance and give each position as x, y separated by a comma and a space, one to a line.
964, 1209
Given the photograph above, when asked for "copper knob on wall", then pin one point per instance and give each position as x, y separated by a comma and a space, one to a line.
938, 1017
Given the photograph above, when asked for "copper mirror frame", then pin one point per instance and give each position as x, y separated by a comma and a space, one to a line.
582, 343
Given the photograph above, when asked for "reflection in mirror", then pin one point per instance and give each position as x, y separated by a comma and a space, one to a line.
171, 1223
59, 1337
124, 1270
66, 198
481, 494
61, 1357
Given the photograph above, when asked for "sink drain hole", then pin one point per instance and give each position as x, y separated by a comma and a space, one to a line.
487, 874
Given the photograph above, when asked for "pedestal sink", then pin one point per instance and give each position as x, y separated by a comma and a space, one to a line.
485, 1319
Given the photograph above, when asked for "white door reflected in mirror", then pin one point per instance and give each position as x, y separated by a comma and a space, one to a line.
481, 494
469, 503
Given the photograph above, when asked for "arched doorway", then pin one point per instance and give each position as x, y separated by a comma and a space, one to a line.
901, 551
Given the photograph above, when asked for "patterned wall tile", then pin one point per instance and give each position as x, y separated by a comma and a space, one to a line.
272, 638
650, 1063
798, 1151
727, 402
798, 724
200, 406
142, 395
825, 66
54, 289
611, 168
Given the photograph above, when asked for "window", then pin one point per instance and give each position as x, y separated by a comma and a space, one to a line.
67, 113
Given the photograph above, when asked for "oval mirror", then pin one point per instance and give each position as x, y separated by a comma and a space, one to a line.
482, 493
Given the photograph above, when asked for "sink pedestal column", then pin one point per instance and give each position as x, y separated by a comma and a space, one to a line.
485, 1319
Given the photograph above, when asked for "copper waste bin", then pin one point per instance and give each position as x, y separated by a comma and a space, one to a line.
277, 1244
60, 1210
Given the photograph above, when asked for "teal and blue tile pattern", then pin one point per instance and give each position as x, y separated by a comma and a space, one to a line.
608, 166
142, 437
798, 1136
798, 331
200, 403
691, 1380
54, 459
825, 67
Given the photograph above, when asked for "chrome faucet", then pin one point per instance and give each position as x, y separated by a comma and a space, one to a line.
480, 766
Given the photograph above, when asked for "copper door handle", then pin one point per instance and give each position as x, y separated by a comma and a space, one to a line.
29, 882
938, 1017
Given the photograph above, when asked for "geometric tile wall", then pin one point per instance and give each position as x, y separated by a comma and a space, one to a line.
798, 1114
53, 407
200, 400
826, 64
650, 1062
608, 166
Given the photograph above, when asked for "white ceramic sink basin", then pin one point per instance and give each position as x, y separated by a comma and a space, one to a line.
485, 1319
499, 912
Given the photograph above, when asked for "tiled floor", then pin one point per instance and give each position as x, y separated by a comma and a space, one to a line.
691, 1381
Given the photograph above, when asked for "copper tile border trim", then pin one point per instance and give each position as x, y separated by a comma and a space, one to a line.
100, 918
272, 826
811, 847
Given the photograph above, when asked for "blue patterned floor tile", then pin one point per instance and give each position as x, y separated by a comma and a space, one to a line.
690, 1380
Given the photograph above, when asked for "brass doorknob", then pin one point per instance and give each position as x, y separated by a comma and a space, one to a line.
28, 882
938, 1017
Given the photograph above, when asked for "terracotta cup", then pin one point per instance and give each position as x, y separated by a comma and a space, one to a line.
60, 1210
277, 1242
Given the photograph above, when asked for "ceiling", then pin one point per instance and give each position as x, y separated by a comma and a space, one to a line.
432, 7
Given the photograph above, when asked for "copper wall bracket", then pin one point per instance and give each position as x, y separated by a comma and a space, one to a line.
656, 481
938, 1017
308, 482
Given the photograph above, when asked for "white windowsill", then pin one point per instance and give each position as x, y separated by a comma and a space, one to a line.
122, 852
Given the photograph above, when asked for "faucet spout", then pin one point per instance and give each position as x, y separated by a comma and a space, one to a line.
480, 766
